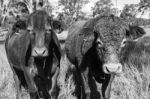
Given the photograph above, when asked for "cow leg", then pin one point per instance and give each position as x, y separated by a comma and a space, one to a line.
18, 86
85, 79
17, 83
54, 83
30, 79
106, 86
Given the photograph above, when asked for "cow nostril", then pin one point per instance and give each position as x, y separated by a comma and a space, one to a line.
40, 52
107, 70
35, 51
119, 67
44, 51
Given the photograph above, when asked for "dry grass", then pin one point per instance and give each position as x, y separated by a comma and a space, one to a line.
7, 85
7, 89
131, 84
65, 83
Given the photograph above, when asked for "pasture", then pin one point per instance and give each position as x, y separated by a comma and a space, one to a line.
131, 84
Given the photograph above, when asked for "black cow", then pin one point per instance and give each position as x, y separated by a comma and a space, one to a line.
34, 54
94, 46
136, 53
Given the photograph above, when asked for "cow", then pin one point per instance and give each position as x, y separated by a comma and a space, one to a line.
136, 53
93, 47
34, 54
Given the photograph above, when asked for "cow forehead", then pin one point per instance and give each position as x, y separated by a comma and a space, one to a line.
38, 20
110, 32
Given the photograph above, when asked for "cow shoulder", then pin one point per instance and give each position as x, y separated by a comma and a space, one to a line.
73, 39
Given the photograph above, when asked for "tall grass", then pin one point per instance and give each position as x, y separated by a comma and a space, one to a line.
7, 85
131, 84
65, 82
7, 89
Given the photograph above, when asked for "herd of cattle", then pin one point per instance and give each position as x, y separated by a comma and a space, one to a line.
97, 48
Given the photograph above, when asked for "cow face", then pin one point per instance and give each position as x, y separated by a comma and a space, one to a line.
110, 35
41, 34
108, 49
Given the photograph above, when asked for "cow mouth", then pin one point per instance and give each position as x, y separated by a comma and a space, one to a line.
39, 57
112, 68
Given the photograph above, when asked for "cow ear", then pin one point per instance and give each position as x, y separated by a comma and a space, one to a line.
57, 25
56, 45
88, 40
134, 32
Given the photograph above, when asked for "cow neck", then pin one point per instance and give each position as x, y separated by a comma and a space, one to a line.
38, 61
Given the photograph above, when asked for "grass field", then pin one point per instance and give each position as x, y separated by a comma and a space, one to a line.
131, 84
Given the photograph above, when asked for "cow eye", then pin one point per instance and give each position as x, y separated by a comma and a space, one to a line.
99, 43
123, 43
30, 31
48, 31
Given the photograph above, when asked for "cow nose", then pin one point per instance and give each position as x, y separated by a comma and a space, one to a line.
112, 68
40, 51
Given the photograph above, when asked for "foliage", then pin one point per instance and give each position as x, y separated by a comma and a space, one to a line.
141, 22
129, 11
144, 5
72, 7
103, 7
48, 7
71, 10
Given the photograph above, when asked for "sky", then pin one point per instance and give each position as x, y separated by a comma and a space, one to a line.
120, 4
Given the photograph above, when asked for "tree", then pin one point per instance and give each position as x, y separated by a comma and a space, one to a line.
129, 11
72, 7
102, 7
48, 7
144, 5
71, 10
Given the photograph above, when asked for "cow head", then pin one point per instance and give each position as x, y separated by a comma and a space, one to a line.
107, 35
41, 34
43, 43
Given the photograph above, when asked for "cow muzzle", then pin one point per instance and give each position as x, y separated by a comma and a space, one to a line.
115, 68
40, 52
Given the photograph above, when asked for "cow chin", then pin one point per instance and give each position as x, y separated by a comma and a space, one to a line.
112, 68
